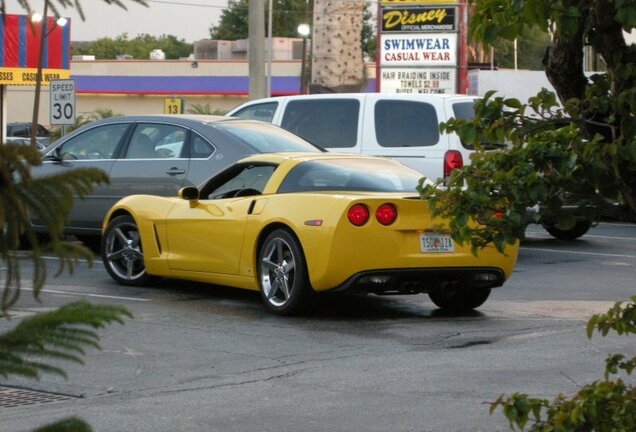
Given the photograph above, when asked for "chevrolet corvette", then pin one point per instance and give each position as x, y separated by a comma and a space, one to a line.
292, 225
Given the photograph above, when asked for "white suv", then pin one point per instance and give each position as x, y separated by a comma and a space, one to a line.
403, 127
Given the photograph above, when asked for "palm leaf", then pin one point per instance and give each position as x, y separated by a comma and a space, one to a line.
47, 199
63, 334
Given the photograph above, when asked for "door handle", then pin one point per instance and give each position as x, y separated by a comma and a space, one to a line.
175, 171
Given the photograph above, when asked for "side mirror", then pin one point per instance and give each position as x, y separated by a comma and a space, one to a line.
189, 193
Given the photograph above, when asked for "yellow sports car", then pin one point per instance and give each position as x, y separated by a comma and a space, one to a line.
295, 224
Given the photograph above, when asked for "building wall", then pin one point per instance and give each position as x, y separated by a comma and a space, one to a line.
140, 86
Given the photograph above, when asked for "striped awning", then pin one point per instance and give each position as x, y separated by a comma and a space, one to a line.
20, 47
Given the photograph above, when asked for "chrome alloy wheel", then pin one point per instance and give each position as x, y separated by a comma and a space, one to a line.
277, 272
122, 252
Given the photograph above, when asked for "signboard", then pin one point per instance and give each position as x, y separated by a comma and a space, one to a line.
62, 109
418, 80
435, 49
422, 46
173, 106
419, 19
20, 49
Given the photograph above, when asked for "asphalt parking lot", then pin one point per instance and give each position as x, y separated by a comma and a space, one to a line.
197, 357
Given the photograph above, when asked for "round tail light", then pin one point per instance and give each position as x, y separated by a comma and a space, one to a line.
386, 214
358, 214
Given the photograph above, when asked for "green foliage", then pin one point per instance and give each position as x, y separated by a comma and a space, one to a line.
47, 199
539, 164
531, 47
608, 404
72, 424
579, 151
62, 335
286, 15
205, 110
139, 47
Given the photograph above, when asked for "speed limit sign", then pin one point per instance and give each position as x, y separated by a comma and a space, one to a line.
62, 102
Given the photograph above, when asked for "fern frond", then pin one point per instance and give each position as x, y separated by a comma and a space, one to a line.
71, 424
62, 334
46, 200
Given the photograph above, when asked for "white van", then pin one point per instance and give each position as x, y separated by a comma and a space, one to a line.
403, 127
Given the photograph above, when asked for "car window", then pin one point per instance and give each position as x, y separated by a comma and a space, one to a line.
329, 123
18, 130
261, 137
350, 175
247, 180
263, 112
96, 143
400, 123
156, 141
201, 149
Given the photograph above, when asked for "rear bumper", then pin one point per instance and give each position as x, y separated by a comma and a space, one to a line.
422, 280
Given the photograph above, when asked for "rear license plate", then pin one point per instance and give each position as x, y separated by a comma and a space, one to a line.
436, 242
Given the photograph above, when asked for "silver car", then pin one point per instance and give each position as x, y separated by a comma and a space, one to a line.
155, 154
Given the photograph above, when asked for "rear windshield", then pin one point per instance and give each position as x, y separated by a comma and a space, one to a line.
350, 175
265, 138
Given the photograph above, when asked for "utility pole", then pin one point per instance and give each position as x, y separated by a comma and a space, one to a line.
256, 48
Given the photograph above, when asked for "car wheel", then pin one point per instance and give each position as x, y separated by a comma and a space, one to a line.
579, 229
122, 254
282, 274
458, 299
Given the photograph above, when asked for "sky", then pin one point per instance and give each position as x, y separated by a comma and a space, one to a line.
186, 19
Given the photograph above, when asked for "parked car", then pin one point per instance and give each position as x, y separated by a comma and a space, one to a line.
155, 155
25, 141
291, 225
403, 127
23, 130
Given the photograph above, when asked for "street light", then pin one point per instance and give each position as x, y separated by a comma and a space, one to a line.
303, 30
41, 18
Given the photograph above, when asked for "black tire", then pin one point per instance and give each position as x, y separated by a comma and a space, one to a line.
459, 299
578, 230
282, 274
122, 253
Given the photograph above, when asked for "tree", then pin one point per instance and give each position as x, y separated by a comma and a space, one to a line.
531, 48
139, 47
62, 334
286, 16
582, 150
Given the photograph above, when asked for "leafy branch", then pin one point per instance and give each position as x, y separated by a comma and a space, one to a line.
604, 405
